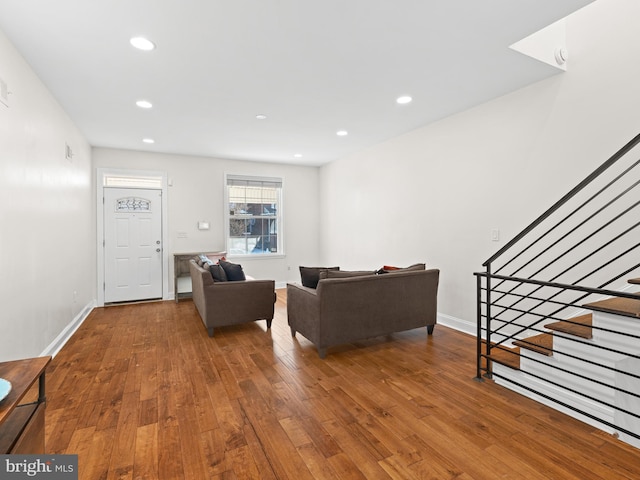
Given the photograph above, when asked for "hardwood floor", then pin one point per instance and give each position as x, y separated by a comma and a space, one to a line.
141, 392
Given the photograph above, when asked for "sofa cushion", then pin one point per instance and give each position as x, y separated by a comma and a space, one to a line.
218, 273
233, 271
311, 275
345, 273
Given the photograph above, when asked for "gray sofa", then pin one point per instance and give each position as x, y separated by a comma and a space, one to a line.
344, 310
230, 303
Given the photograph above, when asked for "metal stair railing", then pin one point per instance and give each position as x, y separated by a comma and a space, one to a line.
581, 250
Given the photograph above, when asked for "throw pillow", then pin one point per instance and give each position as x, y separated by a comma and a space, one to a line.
218, 273
311, 275
410, 268
386, 269
345, 273
233, 271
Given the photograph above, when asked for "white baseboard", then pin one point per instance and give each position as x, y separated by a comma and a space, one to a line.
457, 324
59, 342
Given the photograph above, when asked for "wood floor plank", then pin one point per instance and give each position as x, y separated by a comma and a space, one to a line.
316, 462
141, 391
123, 451
146, 466
169, 452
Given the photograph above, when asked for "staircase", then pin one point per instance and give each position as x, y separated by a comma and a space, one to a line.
582, 361
557, 321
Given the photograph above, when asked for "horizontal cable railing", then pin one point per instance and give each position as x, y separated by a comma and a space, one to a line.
557, 318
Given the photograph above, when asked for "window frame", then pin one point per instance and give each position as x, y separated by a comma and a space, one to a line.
279, 217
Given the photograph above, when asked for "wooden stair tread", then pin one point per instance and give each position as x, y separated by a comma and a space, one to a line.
542, 343
629, 307
635, 281
579, 326
509, 357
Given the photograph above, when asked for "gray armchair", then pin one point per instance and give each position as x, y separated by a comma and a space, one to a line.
230, 303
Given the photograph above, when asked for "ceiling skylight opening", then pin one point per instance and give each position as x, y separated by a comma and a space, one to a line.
342, 133
148, 140
144, 104
142, 43
403, 100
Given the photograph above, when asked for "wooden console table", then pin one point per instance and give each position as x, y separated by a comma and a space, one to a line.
181, 268
22, 412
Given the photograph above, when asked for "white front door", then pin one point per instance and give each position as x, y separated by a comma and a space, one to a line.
132, 244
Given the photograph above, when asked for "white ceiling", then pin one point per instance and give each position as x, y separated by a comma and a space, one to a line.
312, 66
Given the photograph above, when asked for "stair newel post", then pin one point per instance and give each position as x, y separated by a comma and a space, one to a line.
479, 327
488, 326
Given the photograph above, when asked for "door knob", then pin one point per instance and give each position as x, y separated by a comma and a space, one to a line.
157, 242
157, 250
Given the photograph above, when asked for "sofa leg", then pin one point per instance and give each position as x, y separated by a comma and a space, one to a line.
322, 352
430, 329
210, 330
269, 320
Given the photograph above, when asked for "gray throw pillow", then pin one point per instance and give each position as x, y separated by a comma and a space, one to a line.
346, 273
311, 275
233, 271
410, 268
218, 274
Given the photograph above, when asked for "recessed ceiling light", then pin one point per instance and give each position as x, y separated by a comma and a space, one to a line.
142, 43
261, 116
298, 155
404, 99
144, 104
148, 140
342, 133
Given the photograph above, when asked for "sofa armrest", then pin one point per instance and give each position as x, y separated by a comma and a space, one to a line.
303, 311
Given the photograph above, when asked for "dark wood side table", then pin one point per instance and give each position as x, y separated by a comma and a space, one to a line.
22, 412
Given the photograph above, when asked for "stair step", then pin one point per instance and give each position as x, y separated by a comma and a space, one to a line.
577, 326
509, 357
629, 307
542, 343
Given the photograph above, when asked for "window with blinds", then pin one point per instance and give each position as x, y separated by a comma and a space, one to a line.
254, 215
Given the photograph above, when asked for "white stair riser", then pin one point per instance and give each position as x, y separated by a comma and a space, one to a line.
586, 348
544, 368
618, 323
628, 402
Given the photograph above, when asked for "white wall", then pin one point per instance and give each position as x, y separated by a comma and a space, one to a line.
46, 243
436, 193
197, 194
